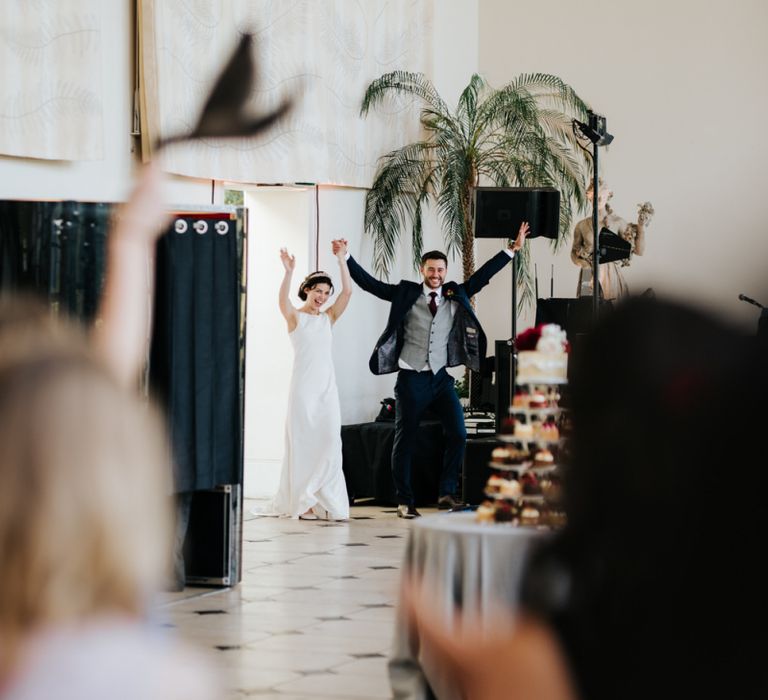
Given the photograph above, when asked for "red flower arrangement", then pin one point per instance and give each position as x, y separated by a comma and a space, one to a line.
529, 339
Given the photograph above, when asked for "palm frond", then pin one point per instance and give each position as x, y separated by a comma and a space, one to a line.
403, 179
442, 128
552, 88
417, 239
466, 110
526, 292
452, 203
402, 83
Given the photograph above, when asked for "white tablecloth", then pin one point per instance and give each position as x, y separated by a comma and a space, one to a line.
471, 565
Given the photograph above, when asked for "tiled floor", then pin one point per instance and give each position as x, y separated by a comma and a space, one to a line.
314, 614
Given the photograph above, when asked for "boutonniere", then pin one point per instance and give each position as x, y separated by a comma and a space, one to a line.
449, 292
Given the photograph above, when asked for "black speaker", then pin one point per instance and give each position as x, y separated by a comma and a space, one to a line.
212, 544
499, 211
574, 316
476, 471
504, 380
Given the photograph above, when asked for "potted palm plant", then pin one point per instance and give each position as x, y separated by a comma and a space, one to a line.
517, 136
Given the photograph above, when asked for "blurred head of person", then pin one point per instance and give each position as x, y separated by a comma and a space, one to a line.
84, 484
654, 572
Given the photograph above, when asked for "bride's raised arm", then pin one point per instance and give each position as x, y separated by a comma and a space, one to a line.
339, 306
286, 308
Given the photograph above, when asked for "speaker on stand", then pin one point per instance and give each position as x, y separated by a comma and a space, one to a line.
505, 379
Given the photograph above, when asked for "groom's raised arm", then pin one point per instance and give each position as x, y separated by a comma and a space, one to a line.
370, 284
483, 275
498, 262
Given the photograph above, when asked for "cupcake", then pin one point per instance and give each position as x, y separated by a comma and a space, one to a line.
485, 512
494, 484
508, 425
499, 455
517, 457
524, 431
549, 431
529, 515
511, 489
530, 485
506, 513
520, 400
543, 458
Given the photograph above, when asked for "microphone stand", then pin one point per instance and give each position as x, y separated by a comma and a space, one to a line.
762, 322
512, 345
749, 300
596, 132
595, 236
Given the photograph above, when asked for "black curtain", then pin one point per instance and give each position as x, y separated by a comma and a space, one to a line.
56, 250
195, 367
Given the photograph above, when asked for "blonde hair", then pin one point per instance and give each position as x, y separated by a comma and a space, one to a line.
85, 475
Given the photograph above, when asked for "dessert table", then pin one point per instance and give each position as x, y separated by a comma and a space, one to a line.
469, 565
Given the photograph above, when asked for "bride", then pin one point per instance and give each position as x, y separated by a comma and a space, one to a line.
311, 481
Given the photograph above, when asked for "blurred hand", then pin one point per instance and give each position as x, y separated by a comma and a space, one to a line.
525, 229
511, 658
144, 216
289, 261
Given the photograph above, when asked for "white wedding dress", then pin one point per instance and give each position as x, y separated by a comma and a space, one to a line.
311, 475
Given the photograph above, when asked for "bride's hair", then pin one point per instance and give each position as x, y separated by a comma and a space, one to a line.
312, 280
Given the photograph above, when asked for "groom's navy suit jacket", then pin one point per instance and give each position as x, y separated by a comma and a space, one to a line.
466, 341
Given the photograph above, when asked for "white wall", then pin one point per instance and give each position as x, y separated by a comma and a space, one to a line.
341, 214
683, 87
277, 217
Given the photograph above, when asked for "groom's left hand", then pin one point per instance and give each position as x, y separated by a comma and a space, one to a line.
525, 229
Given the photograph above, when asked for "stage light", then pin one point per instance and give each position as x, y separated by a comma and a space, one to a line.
596, 130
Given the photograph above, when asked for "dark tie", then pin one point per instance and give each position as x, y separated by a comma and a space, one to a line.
432, 303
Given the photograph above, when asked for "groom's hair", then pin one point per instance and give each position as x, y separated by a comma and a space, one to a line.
434, 255
312, 280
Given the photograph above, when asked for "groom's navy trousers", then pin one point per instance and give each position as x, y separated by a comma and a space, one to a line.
415, 392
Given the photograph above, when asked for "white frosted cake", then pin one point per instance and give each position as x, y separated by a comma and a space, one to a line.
548, 363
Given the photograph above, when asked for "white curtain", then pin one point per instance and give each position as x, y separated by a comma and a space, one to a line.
50, 79
323, 52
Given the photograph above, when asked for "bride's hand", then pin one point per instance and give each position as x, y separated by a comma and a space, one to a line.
339, 247
289, 261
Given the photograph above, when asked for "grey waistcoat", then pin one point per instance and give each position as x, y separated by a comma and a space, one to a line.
426, 337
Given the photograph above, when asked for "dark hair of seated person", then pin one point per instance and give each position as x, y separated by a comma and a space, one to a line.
653, 586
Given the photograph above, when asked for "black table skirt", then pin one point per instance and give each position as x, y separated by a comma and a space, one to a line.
367, 452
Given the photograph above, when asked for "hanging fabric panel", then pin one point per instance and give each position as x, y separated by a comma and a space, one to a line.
323, 52
194, 366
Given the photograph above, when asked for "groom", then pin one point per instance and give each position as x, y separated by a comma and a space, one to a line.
431, 326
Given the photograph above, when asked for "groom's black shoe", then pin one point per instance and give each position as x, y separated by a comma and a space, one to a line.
448, 502
407, 512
